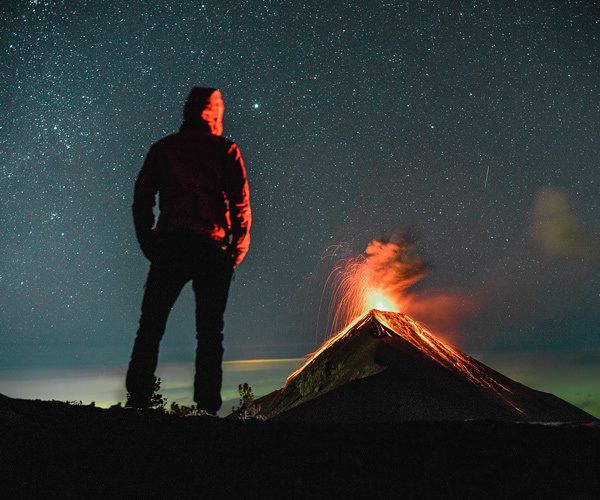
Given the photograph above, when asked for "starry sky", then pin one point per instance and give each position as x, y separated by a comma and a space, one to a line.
474, 126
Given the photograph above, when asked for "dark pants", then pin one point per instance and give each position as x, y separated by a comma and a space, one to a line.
177, 259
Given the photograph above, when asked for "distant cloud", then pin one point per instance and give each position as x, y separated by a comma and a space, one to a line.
558, 230
543, 278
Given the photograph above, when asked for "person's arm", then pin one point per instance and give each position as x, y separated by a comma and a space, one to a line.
238, 194
144, 199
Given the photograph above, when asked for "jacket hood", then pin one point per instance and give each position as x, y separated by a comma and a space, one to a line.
204, 109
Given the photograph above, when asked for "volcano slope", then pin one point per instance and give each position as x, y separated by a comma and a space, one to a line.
385, 367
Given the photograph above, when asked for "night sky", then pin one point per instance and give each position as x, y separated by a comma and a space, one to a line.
473, 126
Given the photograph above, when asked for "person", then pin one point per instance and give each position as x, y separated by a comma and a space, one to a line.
202, 234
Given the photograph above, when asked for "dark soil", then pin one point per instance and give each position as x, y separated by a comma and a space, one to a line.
54, 450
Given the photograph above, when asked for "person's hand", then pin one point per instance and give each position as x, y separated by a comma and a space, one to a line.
237, 257
231, 255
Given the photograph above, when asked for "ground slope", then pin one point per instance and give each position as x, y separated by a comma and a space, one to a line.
54, 450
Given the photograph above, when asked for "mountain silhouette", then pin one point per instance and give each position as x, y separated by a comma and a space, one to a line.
386, 367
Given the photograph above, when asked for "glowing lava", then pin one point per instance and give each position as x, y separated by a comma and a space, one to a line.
390, 324
376, 299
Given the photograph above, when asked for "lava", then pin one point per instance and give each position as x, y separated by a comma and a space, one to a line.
397, 324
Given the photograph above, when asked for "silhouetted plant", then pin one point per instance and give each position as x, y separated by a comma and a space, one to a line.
79, 403
247, 409
182, 410
157, 401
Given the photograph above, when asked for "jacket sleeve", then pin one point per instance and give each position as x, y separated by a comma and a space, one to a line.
144, 197
237, 192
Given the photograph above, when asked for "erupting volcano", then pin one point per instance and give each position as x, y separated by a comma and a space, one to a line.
385, 366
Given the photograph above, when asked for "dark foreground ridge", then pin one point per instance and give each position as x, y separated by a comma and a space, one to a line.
386, 367
56, 450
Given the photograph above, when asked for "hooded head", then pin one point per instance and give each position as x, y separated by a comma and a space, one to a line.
204, 108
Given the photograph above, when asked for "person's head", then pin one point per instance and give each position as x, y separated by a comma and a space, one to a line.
204, 106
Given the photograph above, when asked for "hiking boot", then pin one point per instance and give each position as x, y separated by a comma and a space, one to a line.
205, 413
137, 403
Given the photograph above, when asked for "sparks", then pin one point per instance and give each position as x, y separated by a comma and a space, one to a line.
376, 279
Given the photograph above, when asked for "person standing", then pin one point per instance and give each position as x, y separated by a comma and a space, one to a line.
202, 234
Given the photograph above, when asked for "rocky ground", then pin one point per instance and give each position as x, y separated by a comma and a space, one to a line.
55, 450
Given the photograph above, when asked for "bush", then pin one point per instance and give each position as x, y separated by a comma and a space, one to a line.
182, 410
247, 408
157, 401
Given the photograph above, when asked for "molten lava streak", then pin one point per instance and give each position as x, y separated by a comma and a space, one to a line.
401, 325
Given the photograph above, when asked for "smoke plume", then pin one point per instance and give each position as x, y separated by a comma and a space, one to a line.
393, 266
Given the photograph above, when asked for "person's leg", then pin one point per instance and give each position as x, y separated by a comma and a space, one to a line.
211, 287
163, 286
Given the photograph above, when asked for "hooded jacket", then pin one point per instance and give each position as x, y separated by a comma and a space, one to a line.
200, 178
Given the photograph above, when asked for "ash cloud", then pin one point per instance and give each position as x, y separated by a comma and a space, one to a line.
393, 264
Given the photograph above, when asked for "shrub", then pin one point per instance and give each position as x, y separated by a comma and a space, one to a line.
182, 410
157, 401
247, 409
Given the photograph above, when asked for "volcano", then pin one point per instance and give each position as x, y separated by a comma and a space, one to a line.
386, 367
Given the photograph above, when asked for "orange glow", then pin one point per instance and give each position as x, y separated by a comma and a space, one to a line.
376, 279
213, 112
381, 278
376, 299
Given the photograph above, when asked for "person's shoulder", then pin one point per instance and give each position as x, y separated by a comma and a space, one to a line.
176, 139
230, 146
177, 136
168, 139
225, 141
